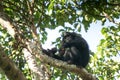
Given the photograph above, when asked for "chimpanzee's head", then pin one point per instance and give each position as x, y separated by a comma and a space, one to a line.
68, 36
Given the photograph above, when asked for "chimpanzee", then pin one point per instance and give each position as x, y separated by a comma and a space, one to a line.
74, 50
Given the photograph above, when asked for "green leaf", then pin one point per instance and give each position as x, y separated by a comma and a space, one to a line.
50, 7
103, 21
104, 30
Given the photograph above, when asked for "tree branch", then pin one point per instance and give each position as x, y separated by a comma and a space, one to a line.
39, 73
16, 34
35, 49
5, 23
110, 18
8, 66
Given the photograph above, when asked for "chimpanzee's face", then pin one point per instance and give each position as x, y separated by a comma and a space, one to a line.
67, 37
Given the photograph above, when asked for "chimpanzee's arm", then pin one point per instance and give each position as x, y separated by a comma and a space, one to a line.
51, 53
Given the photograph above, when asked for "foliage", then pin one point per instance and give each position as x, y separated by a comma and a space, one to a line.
50, 14
108, 54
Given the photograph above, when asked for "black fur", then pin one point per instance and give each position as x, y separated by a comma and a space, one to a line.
74, 50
